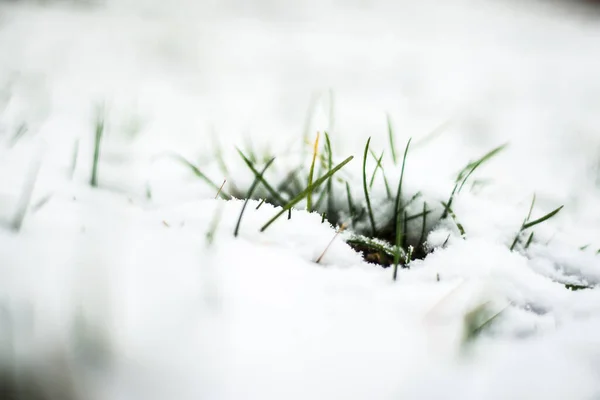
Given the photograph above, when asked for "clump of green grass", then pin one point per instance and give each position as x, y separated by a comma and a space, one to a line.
383, 239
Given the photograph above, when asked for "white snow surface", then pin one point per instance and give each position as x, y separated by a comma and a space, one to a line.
108, 294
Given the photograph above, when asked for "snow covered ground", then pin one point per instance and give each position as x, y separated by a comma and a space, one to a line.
108, 294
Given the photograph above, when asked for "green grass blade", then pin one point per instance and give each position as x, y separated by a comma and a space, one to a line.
74, 158
311, 173
366, 190
330, 205
214, 224
377, 166
435, 133
542, 219
391, 138
530, 210
249, 195
258, 175
398, 212
198, 173
26, 193
302, 195
466, 172
476, 164
380, 166
97, 144
529, 240
461, 229
351, 208
424, 225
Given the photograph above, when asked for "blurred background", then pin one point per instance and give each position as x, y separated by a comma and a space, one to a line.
174, 74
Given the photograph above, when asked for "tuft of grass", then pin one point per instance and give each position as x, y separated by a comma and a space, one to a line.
399, 213
99, 132
304, 193
366, 190
249, 195
530, 224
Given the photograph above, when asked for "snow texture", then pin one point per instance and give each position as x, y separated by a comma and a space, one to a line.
139, 289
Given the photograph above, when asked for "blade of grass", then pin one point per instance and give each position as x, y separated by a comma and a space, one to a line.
311, 172
466, 172
529, 240
377, 166
97, 144
366, 190
220, 189
210, 234
26, 193
423, 226
197, 172
19, 133
74, 158
258, 175
340, 230
514, 243
391, 138
461, 229
542, 219
436, 132
398, 212
249, 195
302, 195
474, 165
380, 166
328, 148
351, 208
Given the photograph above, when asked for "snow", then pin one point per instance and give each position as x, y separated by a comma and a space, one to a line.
108, 294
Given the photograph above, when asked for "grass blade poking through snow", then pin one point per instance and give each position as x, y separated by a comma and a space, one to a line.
302, 195
311, 173
366, 189
391, 139
97, 144
340, 230
249, 195
377, 167
198, 173
527, 224
259, 176
398, 213
466, 172
330, 205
